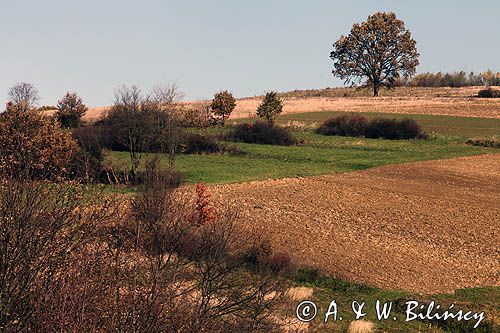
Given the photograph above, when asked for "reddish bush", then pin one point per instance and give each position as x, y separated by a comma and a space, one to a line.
204, 211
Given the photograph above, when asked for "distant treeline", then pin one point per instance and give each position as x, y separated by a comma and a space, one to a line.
454, 80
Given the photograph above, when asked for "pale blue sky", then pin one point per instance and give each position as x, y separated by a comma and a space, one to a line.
245, 46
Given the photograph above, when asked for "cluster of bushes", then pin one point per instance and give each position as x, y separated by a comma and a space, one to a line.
384, 128
33, 145
262, 133
194, 143
77, 261
488, 93
454, 80
493, 142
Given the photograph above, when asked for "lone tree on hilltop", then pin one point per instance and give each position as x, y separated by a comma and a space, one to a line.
23, 96
70, 110
222, 105
379, 50
270, 107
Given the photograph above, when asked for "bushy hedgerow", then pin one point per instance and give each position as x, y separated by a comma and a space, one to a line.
34, 146
262, 133
385, 128
394, 129
194, 143
488, 93
353, 125
493, 142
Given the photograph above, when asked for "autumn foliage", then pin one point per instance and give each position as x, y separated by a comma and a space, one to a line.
70, 110
204, 211
33, 145
379, 51
222, 105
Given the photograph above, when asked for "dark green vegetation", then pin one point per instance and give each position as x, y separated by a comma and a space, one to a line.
464, 127
377, 128
317, 155
492, 141
488, 93
343, 292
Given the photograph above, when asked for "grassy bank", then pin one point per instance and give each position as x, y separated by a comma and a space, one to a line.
326, 289
316, 156
463, 127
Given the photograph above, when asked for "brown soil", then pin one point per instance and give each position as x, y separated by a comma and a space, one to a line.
426, 227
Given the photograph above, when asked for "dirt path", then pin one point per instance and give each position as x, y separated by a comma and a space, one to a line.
427, 227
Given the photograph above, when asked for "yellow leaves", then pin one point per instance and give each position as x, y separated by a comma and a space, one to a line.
34, 144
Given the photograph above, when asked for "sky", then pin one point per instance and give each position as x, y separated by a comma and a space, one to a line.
247, 47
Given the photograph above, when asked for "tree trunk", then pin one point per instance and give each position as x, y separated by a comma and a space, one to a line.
376, 86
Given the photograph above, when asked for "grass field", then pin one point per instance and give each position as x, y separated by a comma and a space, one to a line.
464, 127
325, 155
318, 155
327, 289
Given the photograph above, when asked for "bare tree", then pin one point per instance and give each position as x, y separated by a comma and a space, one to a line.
128, 120
24, 96
146, 124
163, 100
166, 93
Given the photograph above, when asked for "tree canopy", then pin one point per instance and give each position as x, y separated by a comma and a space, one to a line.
379, 50
270, 107
222, 105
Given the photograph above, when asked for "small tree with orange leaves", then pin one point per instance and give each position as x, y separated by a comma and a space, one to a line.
33, 146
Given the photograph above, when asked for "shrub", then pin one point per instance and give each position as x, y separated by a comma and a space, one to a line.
143, 124
90, 155
196, 115
194, 143
488, 93
70, 110
33, 146
385, 128
394, 129
262, 133
493, 142
347, 125
222, 105
270, 107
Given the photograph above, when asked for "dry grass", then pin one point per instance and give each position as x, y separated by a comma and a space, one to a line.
431, 101
361, 326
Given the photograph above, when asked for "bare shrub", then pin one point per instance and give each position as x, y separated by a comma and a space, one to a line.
197, 114
144, 124
90, 157
191, 251
41, 227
